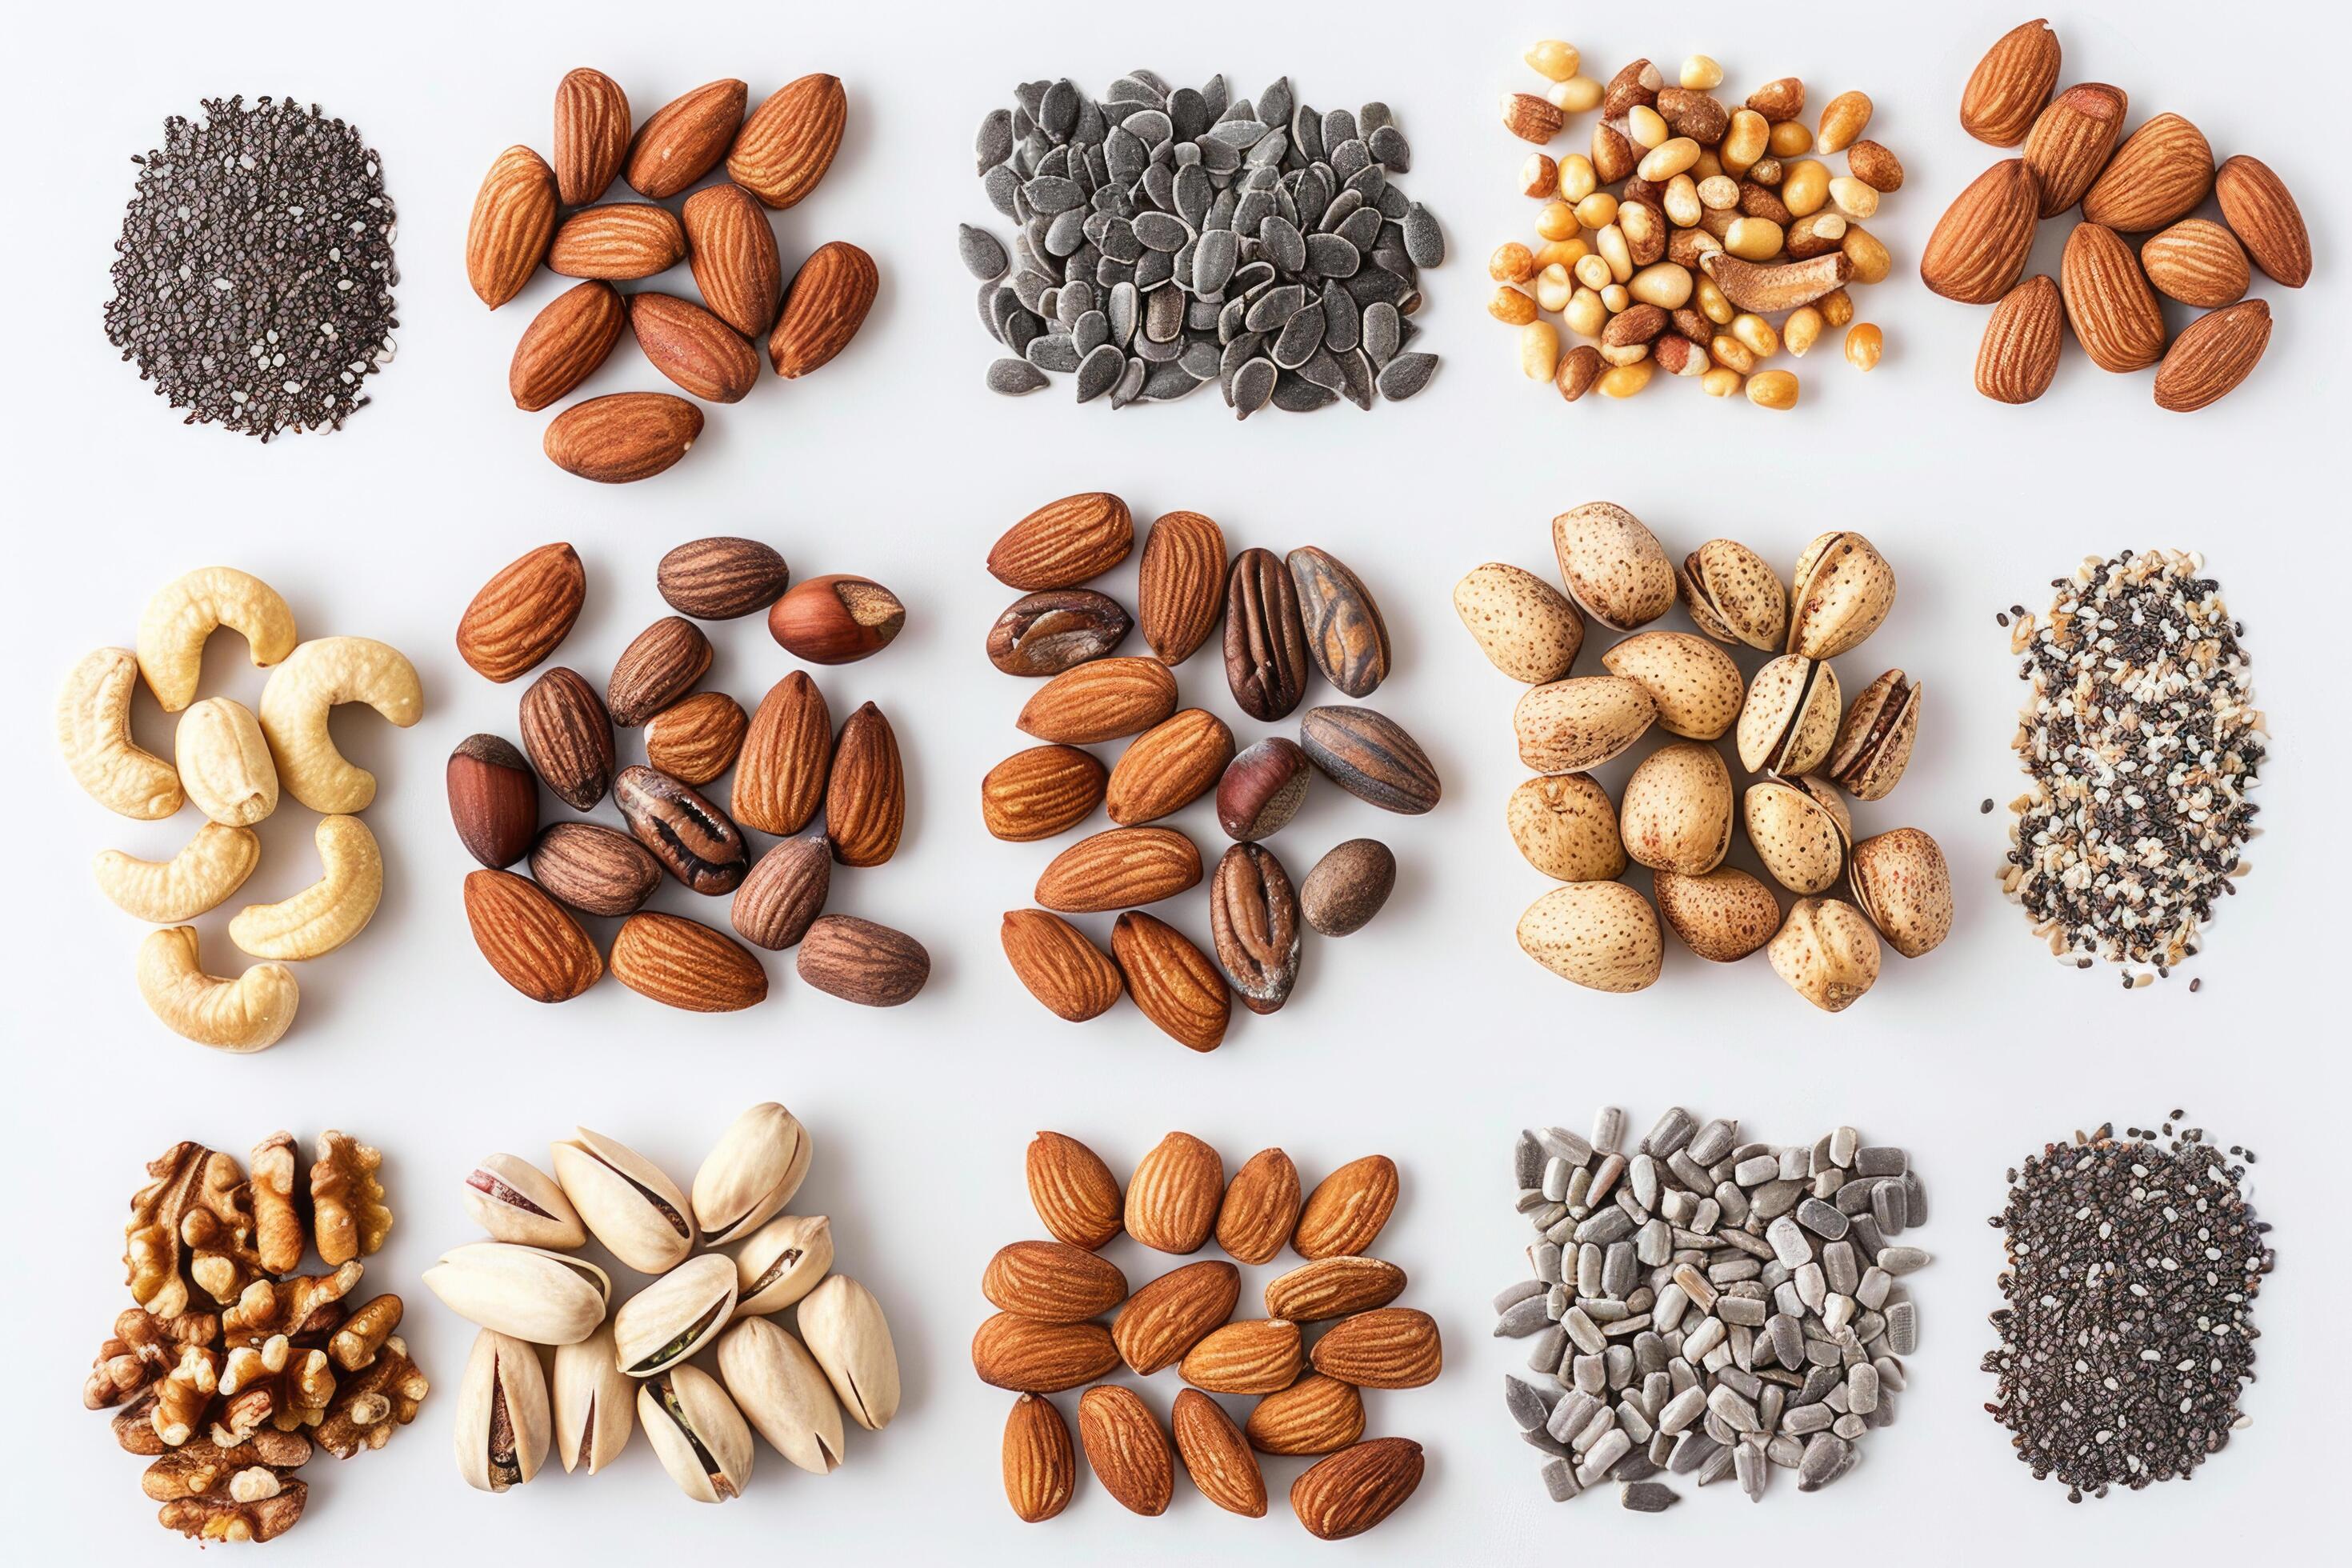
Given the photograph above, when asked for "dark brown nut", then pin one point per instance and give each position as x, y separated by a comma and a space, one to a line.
1342, 622
655, 670
864, 963
1761, 201
1180, 585
720, 579
1253, 917
1875, 166
780, 774
1636, 83
1370, 755
1262, 790
785, 893
1265, 644
1045, 634
568, 736
1579, 367
493, 800
1347, 887
691, 836
1633, 325
695, 738
865, 797
1780, 99
597, 870
836, 619
1697, 115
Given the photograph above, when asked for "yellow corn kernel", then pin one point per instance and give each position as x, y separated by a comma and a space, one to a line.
1772, 389
1719, 382
1711, 302
1539, 351
1552, 58
1753, 239
1864, 343
1576, 180
1757, 334
1731, 353
1749, 137
1790, 139
1667, 159
1557, 220
1871, 261
1510, 307
1561, 253
1800, 329
1842, 120
1623, 380
1836, 308
1805, 187
1598, 210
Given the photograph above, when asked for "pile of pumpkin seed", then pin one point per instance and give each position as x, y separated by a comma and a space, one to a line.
1172, 237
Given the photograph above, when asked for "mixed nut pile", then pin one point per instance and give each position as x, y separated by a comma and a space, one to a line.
1174, 236
231, 763
529, 1286
1675, 815
2074, 154
232, 1367
1046, 1338
1283, 617
789, 763
528, 213
1719, 226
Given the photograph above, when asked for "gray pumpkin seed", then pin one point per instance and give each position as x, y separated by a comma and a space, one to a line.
1297, 394
1054, 352
981, 253
1253, 387
1339, 126
1406, 374
1390, 149
1099, 371
1423, 241
1012, 377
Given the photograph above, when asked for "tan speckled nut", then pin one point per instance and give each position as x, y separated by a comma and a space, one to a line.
1903, 884
1722, 916
1873, 746
1844, 589
1677, 811
1603, 935
1800, 829
1696, 685
1614, 565
1570, 726
1734, 596
1790, 720
1826, 953
1527, 628
1567, 828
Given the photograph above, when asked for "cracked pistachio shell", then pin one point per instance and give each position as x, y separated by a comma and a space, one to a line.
1677, 811
1826, 953
1694, 683
1567, 828
1602, 935
782, 1393
758, 1165
1614, 565
1903, 885
675, 1316
1573, 726
782, 1261
1733, 595
502, 1420
842, 1325
1844, 589
544, 1298
1873, 746
1722, 916
626, 1201
596, 1403
1800, 830
515, 1201
701, 1437
1790, 720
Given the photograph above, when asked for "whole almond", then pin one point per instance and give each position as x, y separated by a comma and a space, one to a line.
862, 961
733, 251
523, 613
685, 964
1316, 1415
568, 736
2212, 355
785, 893
787, 755
1120, 868
1980, 245
1530, 117
2010, 84
1172, 1201
1064, 543
592, 135
695, 738
1347, 1209
1174, 1312
2160, 173
1041, 1468
1388, 1347
1216, 1455
824, 305
1038, 793
2112, 310
1074, 1193
701, 354
1052, 1281
2070, 142
2263, 214
787, 146
2019, 355
685, 138
1061, 968
1042, 634
620, 240
623, 438
865, 797
838, 618
564, 344
1174, 984
660, 664
514, 218
1258, 1355
2198, 262
1333, 1288
1025, 1356
1875, 166
1169, 766
1180, 586
595, 869
535, 946
1128, 1450
1101, 700
1356, 1488
1260, 1207
721, 578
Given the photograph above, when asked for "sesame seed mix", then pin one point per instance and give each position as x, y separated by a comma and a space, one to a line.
2142, 741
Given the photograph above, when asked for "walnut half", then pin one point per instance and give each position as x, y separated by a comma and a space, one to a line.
347, 1205
254, 1505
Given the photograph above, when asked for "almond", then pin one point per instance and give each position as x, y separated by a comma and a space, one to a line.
1979, 245
1174, 1312
1073, 1191
787, 754
824, 307
2262, 212
568, 736
720, 578
2010, 84
695, 739
514, 215
660, 664
1316, 1415
862, 961
564, 344
838, 618
685, 138
1101, 700
1180, 585
1169, 766
1258, 1356
1128, 1450
1347, 1209
1172, 1203
2160, 173
1025, 1356
624, 437
2112, 310
685, 964
1173, 983
1333, 1288
1065, 543
2019, 355
1261, 1205
1041, 1468
1388, 1347
522, 614
1216, 1455
2070, 140
2212, 355
1356, 1488
1052, 1281
1041, 791
784, 149
2198, 262
593, 868
592, 135
1120, 868
701, 354
535, 946
1530, 117
733, 251
618, 240
1061, 968
865, 797
783, 893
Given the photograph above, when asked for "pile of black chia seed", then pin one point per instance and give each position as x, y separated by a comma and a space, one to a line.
253, 279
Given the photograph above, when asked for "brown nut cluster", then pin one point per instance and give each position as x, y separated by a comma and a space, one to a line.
788, 766
1330, 1332
232, 1366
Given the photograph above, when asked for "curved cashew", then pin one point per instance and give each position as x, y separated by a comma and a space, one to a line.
295, 701
249, 1012
94, 732
211, 866
183, 614
330, 911
223, 763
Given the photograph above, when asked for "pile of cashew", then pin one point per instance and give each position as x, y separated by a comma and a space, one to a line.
231, 763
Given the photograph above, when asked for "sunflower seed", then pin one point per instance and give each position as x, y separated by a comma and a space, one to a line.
1099, 371
1297, 394
1405, 375
1014, 377
1253, 387
1648, 1497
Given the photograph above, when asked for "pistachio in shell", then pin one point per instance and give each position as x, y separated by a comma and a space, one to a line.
1614, 565
541, 1298
1566, 827
1676, 815
1575, 725
1903, 884
701, 1438
1694, 683
1844, 589
783, 1261
1790, 720
596, 1403
502, 1417
757, 1164
1826, 953
1734, 596
782, 1391
843, 1326
513, 1200
626, 1201
1602, 935
1722, 916
1800, 829
1873, 746
677, 1315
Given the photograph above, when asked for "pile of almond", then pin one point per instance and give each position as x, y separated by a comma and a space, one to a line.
1721, 242
528, 214
2151, 183
1048, 1335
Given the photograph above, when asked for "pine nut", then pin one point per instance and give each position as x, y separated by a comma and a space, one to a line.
1624, 354
1539, 351
1747, 138
1539, 175
1645, 127
1576, 180
1864, 343
1552, 58
1614, 298
1575, 95
1772, 389
1585, 314
1624, 380
1662, 284
1561, 253
1871, 261
1852, 198
1511, 263
1719, 382
1790, 139
1842, 120
1753, 239
1668, 158
1757, 334
1682, 204
1593, 273
1557, 220
1711, 302
1800, 331
1805, 187
1610, 245
1598, 210
1701, 74
1510, 307
1731, 353
1553, 287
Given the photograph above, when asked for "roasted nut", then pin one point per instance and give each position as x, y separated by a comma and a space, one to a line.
224, 764
782, 1393
836, 619
1844, 589
1826, 953
1045, 633
1343, 626
1266, 643
701, 1438
1255, 919
787, 756
594, 869
1800, 830
493, 800
330, 911
1874, 743
1722, 916
1693, 683
626, 1201
568, 736
781, 1262
93, 725
695, 739
1347, 887
183, 613
692, 839
1575, 725
1903, 884
207, 870
1262, 789
1677, 811
783, 893
1614, 565
1603, 935
862, 961
1790, 721
674, 1316
721, 578
1733, 595
660, 664
250, 1012
596, 1403
1370, 755
1567, 828
752, 1171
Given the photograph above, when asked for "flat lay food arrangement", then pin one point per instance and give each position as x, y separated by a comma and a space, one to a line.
1725, 741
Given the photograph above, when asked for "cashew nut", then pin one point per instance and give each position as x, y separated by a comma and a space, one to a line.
249, 1012
183, 614
295, 702
330, 911
211, 866
94, 732
224, 764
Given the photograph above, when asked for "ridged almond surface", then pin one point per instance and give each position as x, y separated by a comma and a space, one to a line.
2019, 355
660, 664
1388, 1347
2160, 173
2112, 310
733, 251
1174, 984
866, 796
1041, 1467
1052, 1281
1174, 1312
695, 739
1980, 245
2071, 141
514, 215
1040, 792
1128, 1451
783, 893
685, 137
523, 613
787, 146
623, 438
1065, 543
703, 354
1062, 969
1073, 1191
1216, 1455
1357, 1487
1316, 1415
1172, 1199
533, 943
2263, 214
620, 240
1169, 766
1258, 1355
1120, 868
721, 578
2212, 355
2198, 262
568, 737
685, 964
1179, 585
1333, 1288
824, 305
1348, 1208
564, 344
787, 755
2010, 84
1099, 701
592, 135
862, 961
1260, 1208
1025, 1356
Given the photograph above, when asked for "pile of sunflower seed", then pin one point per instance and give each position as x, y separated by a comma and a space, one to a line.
1172, 237
1707, 1307
2129, 1336
2142, 741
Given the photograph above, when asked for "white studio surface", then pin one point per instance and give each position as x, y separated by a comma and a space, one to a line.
1428, 1037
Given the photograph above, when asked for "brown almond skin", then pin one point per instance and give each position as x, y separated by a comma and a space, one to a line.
1260, 1207
780, 775
1345, 1211
1172, 1201
620, 240
1061, 968
2010, 84
1174, 1312
1127, 1449
732, 250
2198, 262
535, 946
2070, 142
624, 437
789, 142
1333, 1288
1075, 1194
592, 135
1039, 793
513, 219
2262, 212
660, 664
2212, 355
1052, 1281
593, 868
564, 344
685, 137
2162, 171
2112, 310
1356, 1488
1064, 543
1388, 1347
704, 355
493, 800
569, 737
1043, 635
1266, 643
1021, 1355
785, 893
1253, 1355
1180, 585
862, 961
1216, 1455
1102, 699
2019, 357
695, 738
721, 578
824, 305
1316, 1415
839, 618
866, 798
685, 964
1980, 245
1041, 1468
1169, 766
523, 614
1119, 866
1174, 984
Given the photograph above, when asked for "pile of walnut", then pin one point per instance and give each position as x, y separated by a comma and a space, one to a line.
232, 1366
1720, 222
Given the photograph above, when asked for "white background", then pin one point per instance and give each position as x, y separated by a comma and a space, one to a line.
1428, 1037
